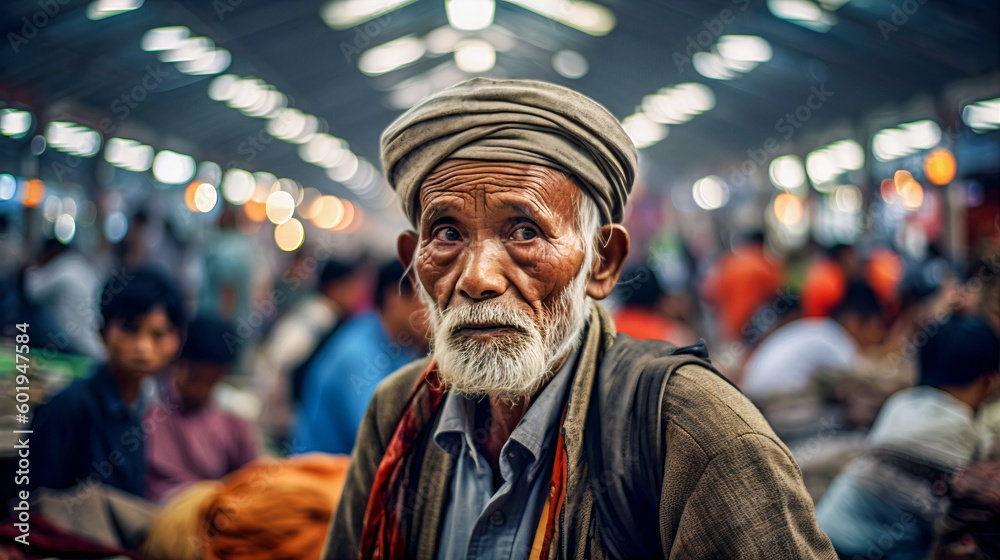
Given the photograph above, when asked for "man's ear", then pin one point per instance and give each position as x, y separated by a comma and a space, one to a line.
613, 247
406, 246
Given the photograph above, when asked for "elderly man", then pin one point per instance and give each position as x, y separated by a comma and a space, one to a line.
533, 431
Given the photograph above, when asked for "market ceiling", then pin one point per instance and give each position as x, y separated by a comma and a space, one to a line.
874, 53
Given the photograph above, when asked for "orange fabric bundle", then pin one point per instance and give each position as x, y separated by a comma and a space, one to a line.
270, 509
274, 509
175, 532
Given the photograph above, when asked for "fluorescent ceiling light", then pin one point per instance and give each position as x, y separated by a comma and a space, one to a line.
591, 18
470, 15
209, 62
128, 154
909, 138
188, 49
712, 66
343, 14
710, 193
570, 64
293, 125
173, 168
982, 116
100, 9
746, 48
786, 172
15, 123
644, 131
391, 56
443, 39
73, 139
803, 13
475, 56
164, 38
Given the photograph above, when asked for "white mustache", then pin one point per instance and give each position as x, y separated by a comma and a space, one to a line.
486, 313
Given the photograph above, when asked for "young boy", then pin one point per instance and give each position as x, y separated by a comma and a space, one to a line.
91, 432
190, 437
886, 501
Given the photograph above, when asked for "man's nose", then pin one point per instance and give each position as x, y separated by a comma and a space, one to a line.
482, 276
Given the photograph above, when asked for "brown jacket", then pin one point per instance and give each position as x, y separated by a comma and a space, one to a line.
731, 489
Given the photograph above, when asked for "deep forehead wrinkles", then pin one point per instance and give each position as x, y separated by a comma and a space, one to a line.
468, 182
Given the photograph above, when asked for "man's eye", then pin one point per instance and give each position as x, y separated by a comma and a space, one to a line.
448, 234
525, 233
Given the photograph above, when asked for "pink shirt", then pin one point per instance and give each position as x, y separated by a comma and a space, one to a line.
185, 445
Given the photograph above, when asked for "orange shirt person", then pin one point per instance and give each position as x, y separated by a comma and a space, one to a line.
742, 281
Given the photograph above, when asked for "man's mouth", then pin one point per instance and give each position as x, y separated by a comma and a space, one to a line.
485, 330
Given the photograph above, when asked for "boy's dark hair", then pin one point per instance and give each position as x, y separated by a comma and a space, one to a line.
334, 270
858, 298
961, 350
129, 295
390, 275
211, 339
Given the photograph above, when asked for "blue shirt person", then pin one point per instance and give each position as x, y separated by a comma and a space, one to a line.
91, 432
343, 376
88, 434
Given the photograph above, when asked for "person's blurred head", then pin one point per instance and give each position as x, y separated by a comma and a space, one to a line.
844, 256
754, 238
397, 302
343, 282
861, 315
640, 287
962, 356
920, 285
143, 321
209, 351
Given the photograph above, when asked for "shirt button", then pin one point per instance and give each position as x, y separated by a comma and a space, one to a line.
552, 490
512, 454
497, 518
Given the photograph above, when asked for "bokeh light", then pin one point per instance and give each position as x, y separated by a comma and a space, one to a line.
34, 191
328, 211
289, 235
788, 209
205, 197
279, 207
940, 166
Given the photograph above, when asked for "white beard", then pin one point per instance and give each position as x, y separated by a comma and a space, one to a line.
506, 366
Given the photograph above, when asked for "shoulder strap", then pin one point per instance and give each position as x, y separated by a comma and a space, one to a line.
624, 440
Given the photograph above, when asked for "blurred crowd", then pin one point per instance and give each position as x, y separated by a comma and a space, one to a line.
224, 387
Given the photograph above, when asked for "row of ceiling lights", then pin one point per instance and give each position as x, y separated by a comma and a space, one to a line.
192, 55
474, 15
730, 56
255, 98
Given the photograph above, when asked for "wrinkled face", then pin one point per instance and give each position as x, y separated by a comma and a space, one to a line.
503, 272
142, 346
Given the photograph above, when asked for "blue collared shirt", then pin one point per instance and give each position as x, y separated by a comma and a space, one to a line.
89, 434
480, 523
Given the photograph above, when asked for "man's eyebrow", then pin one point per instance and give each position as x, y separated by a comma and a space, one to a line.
523, 209
436, 211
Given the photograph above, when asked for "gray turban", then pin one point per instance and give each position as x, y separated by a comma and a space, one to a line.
522, 121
